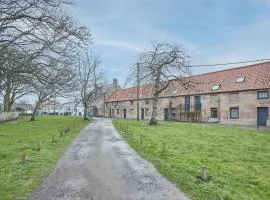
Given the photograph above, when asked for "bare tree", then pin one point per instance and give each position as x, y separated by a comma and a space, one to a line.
160, 67
90, 80
58, 81
13, 91
26, 23
14, 81
41, 29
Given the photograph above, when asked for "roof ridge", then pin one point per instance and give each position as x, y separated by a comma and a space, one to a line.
144, 85
194, 76
229, 69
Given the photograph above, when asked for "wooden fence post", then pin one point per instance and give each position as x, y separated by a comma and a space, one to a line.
23, 159
39, 146
204, 173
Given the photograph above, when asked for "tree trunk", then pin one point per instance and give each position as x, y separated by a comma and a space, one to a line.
10, 103
153, 120
85, 111
33, 116
7, 107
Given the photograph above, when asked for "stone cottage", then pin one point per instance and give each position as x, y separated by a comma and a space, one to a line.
233, 96
98, 107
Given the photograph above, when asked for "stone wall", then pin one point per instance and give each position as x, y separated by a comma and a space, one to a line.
100, 102
246, 101
4, 116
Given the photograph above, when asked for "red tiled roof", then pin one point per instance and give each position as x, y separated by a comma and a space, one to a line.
50, 103
256, 77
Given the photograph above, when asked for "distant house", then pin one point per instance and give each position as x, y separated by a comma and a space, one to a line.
50, 107
78, 109
233, 96
71, 108
98, 107
23, 108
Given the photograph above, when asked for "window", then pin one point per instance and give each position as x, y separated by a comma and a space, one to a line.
173, 112
117, 111
263, 94
240, 79
234, 112
147, 101
214, 113
215, 87
117, 103
197, 103
131, 102
187, 104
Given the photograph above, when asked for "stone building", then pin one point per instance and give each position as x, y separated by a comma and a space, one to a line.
98, 107
237, 96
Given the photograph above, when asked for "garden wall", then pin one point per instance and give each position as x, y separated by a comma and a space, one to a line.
6, 116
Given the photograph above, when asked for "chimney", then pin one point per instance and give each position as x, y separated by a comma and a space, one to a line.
115, 82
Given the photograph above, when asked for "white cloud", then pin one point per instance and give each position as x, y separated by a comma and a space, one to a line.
245, 43
122, 29
128, 45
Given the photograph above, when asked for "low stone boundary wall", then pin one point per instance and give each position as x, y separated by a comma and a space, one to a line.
6, 116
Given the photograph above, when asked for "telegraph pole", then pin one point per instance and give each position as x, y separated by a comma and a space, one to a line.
138, 90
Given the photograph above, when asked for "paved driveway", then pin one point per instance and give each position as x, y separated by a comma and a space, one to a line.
100, 165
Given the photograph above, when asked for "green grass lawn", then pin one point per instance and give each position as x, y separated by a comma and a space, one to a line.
23, 137
237, 159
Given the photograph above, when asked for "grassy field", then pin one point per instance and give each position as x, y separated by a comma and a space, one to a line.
42, 144
237, 159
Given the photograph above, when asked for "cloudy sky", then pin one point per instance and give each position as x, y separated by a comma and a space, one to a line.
214, 31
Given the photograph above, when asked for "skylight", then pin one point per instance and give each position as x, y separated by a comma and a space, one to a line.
215, 87
240, 79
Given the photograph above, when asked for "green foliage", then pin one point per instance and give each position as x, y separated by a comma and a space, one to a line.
41, 142
87, 118
237, 159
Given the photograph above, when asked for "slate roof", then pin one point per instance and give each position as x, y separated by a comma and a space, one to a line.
256, 77
24, 106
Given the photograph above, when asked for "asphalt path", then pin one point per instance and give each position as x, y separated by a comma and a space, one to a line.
100, 165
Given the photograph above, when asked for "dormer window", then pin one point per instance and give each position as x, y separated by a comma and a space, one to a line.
215, 87
240, 79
